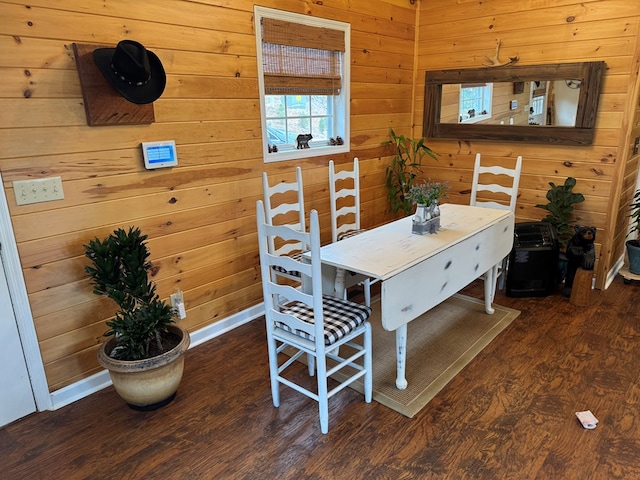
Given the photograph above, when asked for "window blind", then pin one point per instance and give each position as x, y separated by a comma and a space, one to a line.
301, 59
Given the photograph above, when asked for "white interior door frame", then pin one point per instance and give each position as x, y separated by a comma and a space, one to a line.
22, 309
16, 394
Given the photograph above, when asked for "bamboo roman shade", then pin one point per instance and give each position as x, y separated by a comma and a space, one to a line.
301, 59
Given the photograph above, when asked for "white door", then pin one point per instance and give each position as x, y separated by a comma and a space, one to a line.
538, 103
16, 396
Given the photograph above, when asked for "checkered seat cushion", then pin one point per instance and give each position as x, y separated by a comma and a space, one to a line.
340, 317
350, 233
292, 273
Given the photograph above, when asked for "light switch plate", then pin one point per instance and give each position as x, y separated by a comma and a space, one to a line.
177, 302
38, 190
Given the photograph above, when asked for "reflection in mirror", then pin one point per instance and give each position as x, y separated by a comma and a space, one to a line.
535, 102
512, 103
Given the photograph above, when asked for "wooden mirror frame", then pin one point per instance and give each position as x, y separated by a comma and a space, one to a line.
589, 73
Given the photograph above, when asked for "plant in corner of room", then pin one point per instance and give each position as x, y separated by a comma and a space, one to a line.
143, 334
633, 245
405, 167
560, 207
635, 219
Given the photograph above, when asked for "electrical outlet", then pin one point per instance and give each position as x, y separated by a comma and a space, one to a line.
38, 190
177, 302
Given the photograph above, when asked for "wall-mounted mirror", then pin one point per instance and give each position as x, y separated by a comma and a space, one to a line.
542, 103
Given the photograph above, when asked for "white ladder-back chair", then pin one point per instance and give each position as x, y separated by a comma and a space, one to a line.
320, 326
344, 194
345, 201
284, 205
503, 184
508, 188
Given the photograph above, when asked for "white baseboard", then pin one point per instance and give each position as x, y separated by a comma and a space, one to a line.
100, 380
615, 268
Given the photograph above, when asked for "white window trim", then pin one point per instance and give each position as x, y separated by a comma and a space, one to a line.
480, 118
343, 126
476, 119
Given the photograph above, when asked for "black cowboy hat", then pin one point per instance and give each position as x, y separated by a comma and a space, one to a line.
135, 72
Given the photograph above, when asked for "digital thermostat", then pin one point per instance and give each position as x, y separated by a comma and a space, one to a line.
159, 154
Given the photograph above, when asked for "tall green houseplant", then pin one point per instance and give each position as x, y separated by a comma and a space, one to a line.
120, 270
145, 354
405, 167
561, 199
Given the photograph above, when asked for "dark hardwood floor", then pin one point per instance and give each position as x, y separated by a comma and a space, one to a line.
509, 414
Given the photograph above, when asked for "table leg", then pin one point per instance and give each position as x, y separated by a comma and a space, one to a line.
490, 288
340, 284
401, 356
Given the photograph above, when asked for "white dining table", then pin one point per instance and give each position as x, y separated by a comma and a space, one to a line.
420, 271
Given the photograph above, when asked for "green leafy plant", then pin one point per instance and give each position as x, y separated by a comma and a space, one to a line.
404, 169
428, 193
635, 218
120, 271
560, 207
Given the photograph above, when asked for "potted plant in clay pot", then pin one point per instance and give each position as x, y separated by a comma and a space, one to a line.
426, 196
404, 169
145, 352
633, 245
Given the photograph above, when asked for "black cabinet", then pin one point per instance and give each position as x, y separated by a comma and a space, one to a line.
533, 261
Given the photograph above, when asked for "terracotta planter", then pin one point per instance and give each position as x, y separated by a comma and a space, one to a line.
150, 383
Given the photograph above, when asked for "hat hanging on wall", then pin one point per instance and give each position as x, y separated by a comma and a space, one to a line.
135, 72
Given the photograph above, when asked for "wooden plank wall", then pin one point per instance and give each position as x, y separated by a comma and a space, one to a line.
460, 34
200, 216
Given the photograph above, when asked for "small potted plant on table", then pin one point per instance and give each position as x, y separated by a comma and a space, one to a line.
427, 196
144, 355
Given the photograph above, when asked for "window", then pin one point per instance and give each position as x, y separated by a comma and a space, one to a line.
303, 76
475, 102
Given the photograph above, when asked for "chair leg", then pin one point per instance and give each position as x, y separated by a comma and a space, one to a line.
323, 400
503, 272
368, 365
273, 371
311, 363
